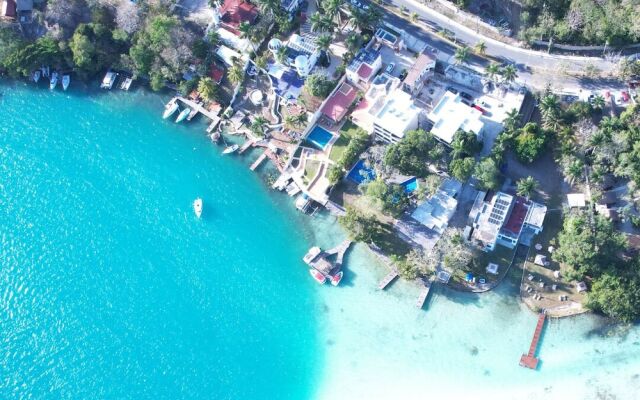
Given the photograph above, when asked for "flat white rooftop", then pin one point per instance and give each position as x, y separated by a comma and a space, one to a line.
398, 114
451, 115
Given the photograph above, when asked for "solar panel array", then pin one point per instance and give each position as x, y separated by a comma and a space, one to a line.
499, 211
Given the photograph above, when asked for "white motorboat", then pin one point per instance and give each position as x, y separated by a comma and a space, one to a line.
66, 80
36, 75
197, 207
54, 80
183, 114
170, 108
108, 80
230, 149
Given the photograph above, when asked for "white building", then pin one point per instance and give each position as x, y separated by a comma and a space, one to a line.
364, 66
452, 114
302, 54
375, 97
421, 70
397, 115
436, 212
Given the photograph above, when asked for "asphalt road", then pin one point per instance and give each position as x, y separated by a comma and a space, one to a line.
535, 69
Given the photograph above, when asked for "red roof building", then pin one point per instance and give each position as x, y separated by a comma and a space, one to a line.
235, 12
336, 107
516, 219
216, 73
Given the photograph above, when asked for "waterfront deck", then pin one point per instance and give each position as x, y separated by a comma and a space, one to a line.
529, 360
386, 281
259, 161
197, 108
246, 145
424, 293
318, 259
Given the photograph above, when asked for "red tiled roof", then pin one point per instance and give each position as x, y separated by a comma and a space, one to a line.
8, 9
216, 73
337, 105
235, 12
364, 71
518, 214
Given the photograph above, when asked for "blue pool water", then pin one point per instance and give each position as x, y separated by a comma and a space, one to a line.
319, 137
360, 173
110, 288
410, 186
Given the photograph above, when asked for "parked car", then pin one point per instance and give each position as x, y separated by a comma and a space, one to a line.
466, 95
452, 89
625, 96
477, 107
485, 104
390, 68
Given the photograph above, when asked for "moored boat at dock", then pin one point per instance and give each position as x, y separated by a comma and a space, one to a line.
54, 80
66, 80
108, 80
317, 276
336, 278
183, 115
170, 108
230, 149
36, 75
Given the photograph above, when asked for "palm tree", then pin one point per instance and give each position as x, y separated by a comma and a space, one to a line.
573, 169
235, 74
526, 186
598, 102
512, 120
259, 125
323, 42
550, 110
245, 30
295, 121
462, 54
509, 73
491, 71
270, 7
261, 61
332, 9
213, 37
480, 47
207, 88
414, 17
352, 41
319, 22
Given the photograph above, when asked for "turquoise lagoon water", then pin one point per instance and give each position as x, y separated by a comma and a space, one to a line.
110, 288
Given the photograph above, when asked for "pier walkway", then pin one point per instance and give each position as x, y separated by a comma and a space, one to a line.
386, 281
529, 360
246, 145
259, 161
199, 108
318, 259
425, 291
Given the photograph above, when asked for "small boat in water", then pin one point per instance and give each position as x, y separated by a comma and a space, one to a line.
66, 80
54, 80
170, 108
36, 75
335, 279
183, 114
230, 149
108, 80
317, 276
197, 207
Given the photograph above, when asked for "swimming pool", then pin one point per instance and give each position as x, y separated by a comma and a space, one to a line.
410, 185
360, 173
319, 137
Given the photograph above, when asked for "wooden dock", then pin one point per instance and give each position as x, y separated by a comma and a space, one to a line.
248, 143
259, 161
198, 107
529, 360
318, 259
386, 281
424, 293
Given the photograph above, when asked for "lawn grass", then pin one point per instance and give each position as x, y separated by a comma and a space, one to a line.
311, 169
348, 130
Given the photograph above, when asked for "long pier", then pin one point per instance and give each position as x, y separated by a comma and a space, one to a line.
198, 107
246, 145
318, 259
259, 161
386, 281
529, 360
425, 292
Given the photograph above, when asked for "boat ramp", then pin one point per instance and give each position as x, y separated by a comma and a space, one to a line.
529, 360
319, 260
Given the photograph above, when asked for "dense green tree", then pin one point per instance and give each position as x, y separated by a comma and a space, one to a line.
392, 198
461, 168
588, 244
319, 85
487, 174
208, 88
529, 142
526, 186
411, 155
360, 227
616, 296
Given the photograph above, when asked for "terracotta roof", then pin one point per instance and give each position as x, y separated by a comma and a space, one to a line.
235, 12
417, 68
337, 105
216, 73
364, 71
518, 214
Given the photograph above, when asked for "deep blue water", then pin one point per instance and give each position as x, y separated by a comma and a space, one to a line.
111, 288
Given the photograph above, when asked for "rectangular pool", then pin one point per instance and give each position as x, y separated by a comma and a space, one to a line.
361, 173
319, 137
